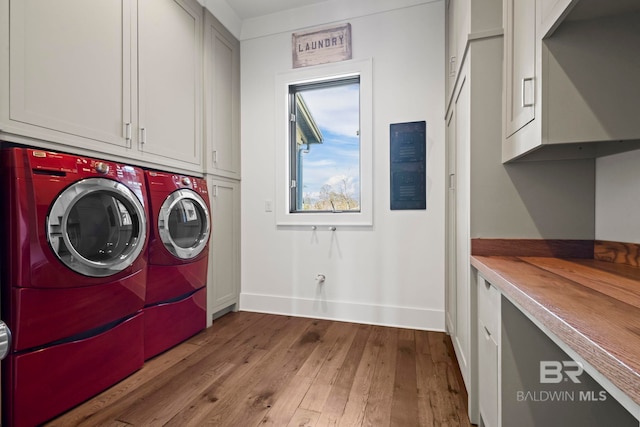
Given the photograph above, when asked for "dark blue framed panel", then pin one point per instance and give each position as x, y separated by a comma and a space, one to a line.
408, 144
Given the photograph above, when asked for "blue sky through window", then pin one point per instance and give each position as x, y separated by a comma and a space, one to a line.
335, 162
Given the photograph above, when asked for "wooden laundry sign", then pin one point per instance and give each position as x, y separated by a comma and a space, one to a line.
321, 46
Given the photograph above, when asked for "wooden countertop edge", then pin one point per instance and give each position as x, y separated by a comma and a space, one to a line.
620, 380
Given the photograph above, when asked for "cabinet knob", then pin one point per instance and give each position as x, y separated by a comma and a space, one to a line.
101, 168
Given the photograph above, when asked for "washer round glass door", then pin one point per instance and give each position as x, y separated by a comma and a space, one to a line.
183, 224
97, 227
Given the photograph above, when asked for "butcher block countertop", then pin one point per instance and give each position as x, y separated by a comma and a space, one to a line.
592, 306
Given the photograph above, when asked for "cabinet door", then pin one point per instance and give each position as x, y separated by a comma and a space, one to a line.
520, 36
224, 247
169, 81
69, 74
462, 203
222, 100
488, 376
451, 294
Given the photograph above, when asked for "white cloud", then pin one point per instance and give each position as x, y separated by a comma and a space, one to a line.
323, 163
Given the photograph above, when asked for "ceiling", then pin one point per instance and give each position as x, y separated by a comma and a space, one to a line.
252, 8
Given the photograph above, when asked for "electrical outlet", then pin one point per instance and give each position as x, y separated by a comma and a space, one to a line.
268, 206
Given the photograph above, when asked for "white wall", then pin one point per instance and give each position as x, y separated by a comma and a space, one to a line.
391, 273
618, 197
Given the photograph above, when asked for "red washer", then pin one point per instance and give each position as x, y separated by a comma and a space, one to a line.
74, 277
175, 303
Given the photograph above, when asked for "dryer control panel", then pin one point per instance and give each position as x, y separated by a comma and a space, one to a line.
167, 182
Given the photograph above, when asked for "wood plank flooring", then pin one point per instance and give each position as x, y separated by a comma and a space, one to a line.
252, 369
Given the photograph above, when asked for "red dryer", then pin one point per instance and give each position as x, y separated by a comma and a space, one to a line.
175, 303
73, 279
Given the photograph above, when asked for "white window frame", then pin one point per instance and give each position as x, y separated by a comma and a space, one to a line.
284, 216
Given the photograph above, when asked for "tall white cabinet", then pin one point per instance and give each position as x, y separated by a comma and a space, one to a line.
118, 78
222, 164
473, 121
458, 295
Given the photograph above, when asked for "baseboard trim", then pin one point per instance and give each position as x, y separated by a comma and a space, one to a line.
399, 317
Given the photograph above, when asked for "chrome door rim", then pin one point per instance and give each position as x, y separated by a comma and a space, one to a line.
61, 208
163, 224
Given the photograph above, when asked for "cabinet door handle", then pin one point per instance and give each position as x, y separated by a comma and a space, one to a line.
524, 92
214, 191
487, 334
215, 156
143, 136
127, 134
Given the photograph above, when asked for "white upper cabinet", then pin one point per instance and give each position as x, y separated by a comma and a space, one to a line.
519, 54
170, 79
570, 73
104, 77
222, 100
69, 74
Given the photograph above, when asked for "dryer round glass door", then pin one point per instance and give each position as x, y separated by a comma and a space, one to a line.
97, 227
183, 224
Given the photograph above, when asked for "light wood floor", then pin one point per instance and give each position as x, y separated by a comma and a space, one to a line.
253, 369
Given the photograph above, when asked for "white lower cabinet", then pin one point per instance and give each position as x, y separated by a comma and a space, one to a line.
489, 375
542, 385
223, 284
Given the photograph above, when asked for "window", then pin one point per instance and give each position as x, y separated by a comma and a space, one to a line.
324, 138
324, 145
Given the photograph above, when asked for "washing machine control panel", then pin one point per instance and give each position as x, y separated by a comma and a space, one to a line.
74, 168
101, 167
